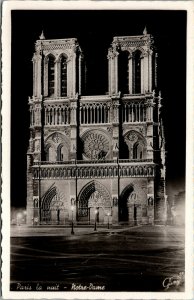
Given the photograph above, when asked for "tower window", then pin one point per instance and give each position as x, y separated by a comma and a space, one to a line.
51, 76
123, 72
63, 77
137, 72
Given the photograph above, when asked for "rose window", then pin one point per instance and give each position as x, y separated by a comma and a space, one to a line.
96, 146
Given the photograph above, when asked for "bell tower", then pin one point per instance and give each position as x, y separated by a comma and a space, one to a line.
132, 79
132, 63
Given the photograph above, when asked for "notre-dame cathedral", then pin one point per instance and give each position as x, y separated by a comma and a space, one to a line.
96, 158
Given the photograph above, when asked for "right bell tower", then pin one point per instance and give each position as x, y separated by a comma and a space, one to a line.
133, 84
133, 64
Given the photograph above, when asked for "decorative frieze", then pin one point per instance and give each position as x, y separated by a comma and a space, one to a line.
61, 172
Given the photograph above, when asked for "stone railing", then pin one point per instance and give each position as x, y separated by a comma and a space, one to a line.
91, 162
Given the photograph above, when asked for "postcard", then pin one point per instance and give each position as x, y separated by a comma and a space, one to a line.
97, 150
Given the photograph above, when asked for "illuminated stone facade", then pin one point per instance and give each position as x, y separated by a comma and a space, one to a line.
99, 157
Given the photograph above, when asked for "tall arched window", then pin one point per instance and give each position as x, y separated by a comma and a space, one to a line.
123, 74
63, 76
51, 75
137, 72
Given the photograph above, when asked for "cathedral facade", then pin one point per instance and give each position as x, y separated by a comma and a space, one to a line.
95, 158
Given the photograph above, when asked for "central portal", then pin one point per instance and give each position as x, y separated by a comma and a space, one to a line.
94, 204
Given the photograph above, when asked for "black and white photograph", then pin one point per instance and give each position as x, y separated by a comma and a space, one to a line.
98, 202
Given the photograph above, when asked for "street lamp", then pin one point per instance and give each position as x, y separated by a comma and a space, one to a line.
95, 229
108, 219
72, 229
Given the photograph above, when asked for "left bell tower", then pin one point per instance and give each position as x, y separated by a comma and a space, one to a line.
57, 71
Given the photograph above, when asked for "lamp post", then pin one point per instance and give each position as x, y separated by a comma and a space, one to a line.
108, 219
72, 229
95, 229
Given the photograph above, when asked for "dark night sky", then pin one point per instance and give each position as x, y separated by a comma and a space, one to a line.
95, 31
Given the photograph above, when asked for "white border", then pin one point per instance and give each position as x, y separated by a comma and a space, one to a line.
6, 62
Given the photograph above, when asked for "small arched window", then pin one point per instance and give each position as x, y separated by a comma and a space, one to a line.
50, 153
63, 76
51, 75
138, 151
62, 154
137, 72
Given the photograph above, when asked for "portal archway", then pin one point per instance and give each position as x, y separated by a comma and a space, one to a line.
123, 203
52, 207
94, 202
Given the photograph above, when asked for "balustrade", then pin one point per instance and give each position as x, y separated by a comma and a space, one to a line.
56, 115
91, 162
134, 112
94, 113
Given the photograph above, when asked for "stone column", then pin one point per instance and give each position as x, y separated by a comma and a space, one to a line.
69, 77
58, 78
45, 76
39, 73
156, 71
142, 75
150, 70
112, 76
34, 76
80, 74
109, 75
116, 72
73, 75
146, 75
130, 66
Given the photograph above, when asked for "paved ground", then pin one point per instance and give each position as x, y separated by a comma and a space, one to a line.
128, 259
24, 231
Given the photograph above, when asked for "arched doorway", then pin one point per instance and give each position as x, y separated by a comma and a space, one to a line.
52, 208
123, 204
94, 203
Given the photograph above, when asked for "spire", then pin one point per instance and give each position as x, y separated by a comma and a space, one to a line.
42, 37
145, 31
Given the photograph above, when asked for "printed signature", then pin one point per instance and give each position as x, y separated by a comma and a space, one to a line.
175, 281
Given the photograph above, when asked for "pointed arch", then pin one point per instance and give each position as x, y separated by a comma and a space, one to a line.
62, 152
137, 145
56, 147
138, 150
93, 196
45, 204
50, 152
